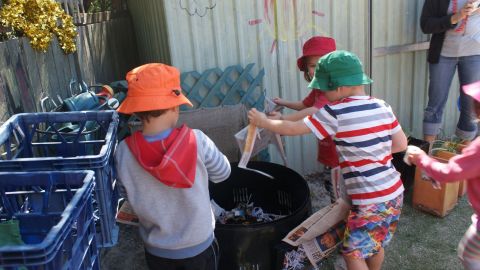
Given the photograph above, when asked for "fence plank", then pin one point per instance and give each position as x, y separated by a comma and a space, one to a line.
105, 52
85, 54
30, 64
62, 69
7, 104
20, 77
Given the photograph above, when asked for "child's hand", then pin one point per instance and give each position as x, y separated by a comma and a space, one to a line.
279, 101
274, 115
413, 154
256, 118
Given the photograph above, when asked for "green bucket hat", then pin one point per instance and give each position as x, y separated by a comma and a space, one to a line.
338, 68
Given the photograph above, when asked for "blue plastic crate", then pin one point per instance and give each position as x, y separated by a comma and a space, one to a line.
58, 140
54, 211
68, 141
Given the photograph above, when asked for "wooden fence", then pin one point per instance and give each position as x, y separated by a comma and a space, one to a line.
105, 52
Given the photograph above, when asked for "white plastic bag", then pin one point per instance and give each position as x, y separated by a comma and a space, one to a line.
261, 139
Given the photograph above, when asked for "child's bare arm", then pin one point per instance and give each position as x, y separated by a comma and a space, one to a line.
281, 127
399, 142
294, 105
300, 114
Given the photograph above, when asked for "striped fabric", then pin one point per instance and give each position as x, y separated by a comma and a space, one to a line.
469, 246
362, 128
215, 162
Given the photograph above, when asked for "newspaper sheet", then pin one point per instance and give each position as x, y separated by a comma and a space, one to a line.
126, 215
338, 184
317, 224
322, 246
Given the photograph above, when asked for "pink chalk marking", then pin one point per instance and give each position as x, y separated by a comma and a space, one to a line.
274, 45
255, 21
266, 4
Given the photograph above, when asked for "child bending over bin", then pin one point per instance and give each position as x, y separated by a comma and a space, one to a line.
461, 167
165, 172
366, 133
313, 49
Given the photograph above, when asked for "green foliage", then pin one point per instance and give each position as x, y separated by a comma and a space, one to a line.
99, 6
451, 145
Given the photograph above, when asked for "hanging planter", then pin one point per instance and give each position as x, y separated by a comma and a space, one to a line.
40, 20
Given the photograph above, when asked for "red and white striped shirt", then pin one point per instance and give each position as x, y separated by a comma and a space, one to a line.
362, 128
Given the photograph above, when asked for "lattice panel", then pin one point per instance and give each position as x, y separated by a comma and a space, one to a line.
231, 86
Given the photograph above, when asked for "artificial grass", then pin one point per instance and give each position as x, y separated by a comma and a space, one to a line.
424, 241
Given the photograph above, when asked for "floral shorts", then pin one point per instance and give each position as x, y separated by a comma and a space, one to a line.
370, 227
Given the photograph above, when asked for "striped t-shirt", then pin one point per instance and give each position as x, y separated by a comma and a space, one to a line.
362, 128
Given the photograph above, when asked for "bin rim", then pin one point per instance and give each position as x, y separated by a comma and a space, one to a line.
269, 223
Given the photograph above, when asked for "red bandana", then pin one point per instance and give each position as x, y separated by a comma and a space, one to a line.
172, 161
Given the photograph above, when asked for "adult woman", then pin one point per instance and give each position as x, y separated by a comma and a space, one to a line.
455, 44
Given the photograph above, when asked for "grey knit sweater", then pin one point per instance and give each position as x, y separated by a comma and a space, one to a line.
175, 223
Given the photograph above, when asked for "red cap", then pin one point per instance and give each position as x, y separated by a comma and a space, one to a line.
316, 46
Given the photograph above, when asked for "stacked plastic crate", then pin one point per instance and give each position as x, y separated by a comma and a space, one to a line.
67, 142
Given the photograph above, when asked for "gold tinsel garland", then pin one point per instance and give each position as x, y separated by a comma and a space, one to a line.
39, 20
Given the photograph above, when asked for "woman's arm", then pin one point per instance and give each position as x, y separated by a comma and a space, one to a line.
431, 24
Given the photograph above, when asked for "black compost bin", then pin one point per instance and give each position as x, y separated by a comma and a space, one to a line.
252, 247
408, 172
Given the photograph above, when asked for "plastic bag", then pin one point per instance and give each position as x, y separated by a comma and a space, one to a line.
261, 140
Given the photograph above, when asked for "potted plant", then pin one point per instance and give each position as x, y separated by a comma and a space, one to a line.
446, 149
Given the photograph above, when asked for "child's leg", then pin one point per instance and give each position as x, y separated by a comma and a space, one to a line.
468, 250
375, 262
370, 228
355, 263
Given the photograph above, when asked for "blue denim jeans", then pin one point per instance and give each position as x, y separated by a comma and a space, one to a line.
441, 75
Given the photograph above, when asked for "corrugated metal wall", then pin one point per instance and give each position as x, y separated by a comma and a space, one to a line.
203, 34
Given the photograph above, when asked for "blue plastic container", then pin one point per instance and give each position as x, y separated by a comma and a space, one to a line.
54, 211
59, 141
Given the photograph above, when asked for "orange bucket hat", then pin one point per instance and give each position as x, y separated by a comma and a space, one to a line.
152, 87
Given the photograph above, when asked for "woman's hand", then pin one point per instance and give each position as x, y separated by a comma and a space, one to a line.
468, 9
256, 118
